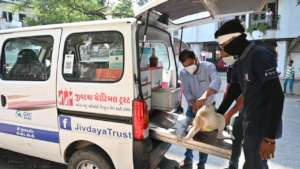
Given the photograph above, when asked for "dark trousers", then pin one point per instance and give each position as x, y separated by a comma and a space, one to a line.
237, 132
251, 147
189, 153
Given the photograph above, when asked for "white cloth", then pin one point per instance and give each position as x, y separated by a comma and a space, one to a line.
223, 38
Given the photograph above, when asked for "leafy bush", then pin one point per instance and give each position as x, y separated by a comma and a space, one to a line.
262, 27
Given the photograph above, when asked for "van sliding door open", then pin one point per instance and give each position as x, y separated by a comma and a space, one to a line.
170, 127
159, 90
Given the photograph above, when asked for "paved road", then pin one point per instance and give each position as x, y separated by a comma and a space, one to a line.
11, 160
287, 157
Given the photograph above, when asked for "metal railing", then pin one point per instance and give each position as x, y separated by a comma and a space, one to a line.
262, 17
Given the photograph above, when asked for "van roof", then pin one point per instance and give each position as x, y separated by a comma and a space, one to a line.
65, 25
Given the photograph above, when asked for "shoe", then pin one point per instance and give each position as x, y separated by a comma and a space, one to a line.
201, 166
186, 164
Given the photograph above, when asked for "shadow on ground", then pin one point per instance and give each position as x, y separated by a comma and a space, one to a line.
11, 160
169, 164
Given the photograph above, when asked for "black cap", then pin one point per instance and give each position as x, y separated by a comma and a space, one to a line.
232, 26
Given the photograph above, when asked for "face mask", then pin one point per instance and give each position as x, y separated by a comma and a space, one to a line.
191, 69
230, 60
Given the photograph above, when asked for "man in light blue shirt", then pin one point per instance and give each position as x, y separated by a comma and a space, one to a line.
200, 81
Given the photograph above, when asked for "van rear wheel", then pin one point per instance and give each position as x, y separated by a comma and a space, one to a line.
89, 159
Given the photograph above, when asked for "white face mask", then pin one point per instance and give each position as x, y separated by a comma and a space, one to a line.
191, 69
230, 60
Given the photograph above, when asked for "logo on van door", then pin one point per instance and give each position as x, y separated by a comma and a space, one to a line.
65, 122
24, 115
65, 97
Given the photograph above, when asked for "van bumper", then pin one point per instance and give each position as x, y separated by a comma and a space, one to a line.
147, 154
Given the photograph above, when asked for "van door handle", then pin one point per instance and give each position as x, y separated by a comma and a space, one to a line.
3, 101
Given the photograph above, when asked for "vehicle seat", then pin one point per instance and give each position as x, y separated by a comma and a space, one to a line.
27, 66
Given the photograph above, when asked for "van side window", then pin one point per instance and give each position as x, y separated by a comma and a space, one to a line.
27, 59
94, 57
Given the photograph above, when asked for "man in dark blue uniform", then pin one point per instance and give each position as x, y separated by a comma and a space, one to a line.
255, 67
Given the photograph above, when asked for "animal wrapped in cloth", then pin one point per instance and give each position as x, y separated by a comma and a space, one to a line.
207, 120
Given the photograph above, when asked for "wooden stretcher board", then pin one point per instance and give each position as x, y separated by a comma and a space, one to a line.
171, 128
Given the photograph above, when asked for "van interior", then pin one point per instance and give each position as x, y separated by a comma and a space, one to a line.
160, 90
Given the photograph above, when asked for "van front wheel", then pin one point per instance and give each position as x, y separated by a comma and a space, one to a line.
88, 159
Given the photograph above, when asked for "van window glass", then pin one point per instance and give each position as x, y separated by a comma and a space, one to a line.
159, 42
158, 49
27, 58
94, 56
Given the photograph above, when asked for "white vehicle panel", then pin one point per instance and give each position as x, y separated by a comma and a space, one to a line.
113, 98
114, 138
28, 108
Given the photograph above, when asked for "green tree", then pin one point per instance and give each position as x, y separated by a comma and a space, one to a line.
123, 9
298, 2
65, 11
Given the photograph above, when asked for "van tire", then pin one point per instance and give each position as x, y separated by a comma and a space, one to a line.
89, 156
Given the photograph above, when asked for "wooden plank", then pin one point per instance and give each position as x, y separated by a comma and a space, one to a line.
172, 130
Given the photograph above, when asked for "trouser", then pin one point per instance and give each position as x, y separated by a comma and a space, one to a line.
251, 147
189, 153
237, 132
289, 82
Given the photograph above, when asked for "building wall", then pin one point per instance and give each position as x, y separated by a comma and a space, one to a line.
197, 49
289, 26
7, 7
282, 52
203, 33
289, 19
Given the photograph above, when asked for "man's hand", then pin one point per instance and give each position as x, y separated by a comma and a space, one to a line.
227, 117
237, 107
201, 101
198, 104
267, 149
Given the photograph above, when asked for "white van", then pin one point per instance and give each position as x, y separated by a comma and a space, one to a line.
81, 93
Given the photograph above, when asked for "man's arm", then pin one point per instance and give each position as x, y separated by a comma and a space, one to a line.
233, 90
215, 80
186, 89
236, 108
214, 86
232, 93
265, 71
273, 90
